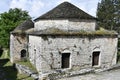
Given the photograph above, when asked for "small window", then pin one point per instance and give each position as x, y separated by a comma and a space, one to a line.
65, 60
95, 58
23, 53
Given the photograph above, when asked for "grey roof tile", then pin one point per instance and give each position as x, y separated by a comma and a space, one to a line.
65, 10
28, 24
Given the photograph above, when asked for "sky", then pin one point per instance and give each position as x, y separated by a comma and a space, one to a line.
39, 7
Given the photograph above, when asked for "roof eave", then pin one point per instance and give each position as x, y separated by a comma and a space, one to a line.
38, 19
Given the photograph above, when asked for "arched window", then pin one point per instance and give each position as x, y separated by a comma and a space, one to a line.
23, 53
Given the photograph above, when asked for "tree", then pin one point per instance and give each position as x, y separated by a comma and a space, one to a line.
8, 21
108, 14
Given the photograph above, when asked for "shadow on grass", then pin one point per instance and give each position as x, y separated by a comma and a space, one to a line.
7, 72
3, 62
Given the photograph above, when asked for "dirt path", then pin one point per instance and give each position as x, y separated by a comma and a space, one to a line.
108, 75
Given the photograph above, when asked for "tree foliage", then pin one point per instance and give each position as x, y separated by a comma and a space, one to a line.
108, 14
8, 21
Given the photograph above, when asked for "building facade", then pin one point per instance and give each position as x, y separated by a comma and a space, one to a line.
19, 41
66, 39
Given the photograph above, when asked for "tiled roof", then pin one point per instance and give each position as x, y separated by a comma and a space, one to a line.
65, 10
28, 24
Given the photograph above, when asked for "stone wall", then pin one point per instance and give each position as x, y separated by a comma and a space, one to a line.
74, 24
34, 49
50, 48
17, 44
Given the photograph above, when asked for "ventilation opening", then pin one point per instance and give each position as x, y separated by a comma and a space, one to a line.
23, 53
95, 58
65, 60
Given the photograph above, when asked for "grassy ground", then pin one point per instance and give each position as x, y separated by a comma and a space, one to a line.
118, 57
8, 72
28, 64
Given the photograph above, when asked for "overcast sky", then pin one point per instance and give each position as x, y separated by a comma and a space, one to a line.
39, 7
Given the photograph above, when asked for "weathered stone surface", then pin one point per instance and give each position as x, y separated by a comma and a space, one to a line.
74, 24
46, 52
17, 44
107, 75
48, 55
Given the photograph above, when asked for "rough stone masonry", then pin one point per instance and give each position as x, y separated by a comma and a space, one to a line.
65, 40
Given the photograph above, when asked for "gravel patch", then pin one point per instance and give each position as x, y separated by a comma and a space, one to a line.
107, 75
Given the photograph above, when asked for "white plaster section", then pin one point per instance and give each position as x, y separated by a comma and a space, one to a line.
35, 51
11, 48
85, 25
44, 24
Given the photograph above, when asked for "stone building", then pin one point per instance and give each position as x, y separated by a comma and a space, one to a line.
65, 39
19, 41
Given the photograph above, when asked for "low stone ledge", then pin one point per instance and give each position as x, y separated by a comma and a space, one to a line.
58, 75
61, 74
54, 75
26, 70
117, 66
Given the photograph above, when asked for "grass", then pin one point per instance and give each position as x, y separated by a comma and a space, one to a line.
8, 72
100, 32
23, 76
28, 64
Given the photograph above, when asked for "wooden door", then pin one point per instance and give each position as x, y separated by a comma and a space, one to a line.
95, 60
65, 60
